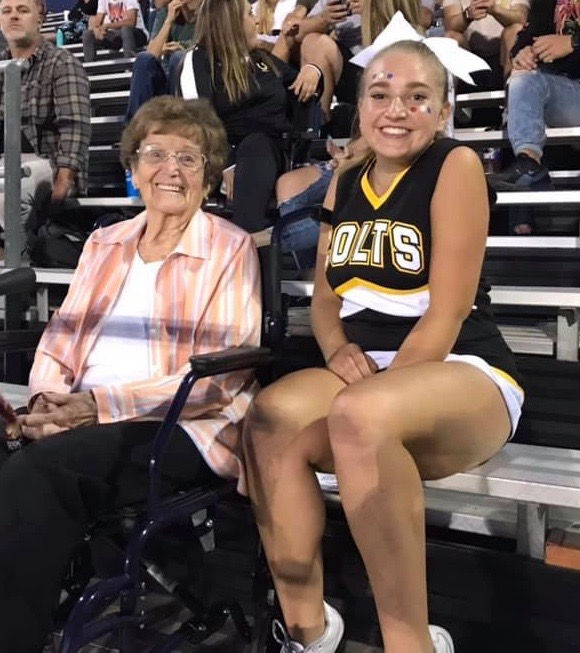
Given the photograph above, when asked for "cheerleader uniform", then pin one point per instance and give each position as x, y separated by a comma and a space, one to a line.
378, 264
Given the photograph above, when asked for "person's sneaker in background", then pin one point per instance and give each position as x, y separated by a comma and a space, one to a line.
523, 174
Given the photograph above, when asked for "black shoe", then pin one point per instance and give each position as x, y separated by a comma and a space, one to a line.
523, 174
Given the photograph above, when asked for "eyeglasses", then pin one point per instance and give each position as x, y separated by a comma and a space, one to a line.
193, 161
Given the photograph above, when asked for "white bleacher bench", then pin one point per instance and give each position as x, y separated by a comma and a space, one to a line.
482, 136
565, 300
109, 65
480, 99
526, 489
535, 197
97, 98
111, 81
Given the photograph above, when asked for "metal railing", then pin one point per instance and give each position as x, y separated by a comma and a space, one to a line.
14, 241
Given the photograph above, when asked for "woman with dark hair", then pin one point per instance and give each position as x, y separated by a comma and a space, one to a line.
249, 89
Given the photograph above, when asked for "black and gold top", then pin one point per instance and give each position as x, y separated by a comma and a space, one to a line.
379, 256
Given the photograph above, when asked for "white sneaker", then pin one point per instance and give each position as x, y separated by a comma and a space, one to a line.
441, 640
328, 642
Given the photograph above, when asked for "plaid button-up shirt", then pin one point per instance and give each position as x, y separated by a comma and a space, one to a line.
207, 298
56, 111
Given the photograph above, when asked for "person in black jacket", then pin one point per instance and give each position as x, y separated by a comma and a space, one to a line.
544, 89
248, 88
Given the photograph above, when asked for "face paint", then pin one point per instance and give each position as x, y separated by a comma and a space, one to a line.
381, 74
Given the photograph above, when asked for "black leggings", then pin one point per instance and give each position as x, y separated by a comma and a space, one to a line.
259, 163
50, 491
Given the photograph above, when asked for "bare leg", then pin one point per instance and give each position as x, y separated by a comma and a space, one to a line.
508, 40
459, 37
284, 440
295, 182
387, 433
323, 51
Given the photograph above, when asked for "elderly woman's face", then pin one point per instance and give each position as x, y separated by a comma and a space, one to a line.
169, 174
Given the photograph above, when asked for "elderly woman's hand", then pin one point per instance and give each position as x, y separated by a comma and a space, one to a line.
54, 412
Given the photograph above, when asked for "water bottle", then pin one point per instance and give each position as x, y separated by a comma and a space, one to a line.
131, 190
59, 38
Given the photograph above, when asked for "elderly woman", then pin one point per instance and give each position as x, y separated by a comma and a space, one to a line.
147, 294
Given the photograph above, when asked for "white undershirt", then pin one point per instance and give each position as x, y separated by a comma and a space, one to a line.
121, 351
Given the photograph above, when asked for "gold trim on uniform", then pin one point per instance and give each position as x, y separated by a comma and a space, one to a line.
357, 282
375, 201
507, 377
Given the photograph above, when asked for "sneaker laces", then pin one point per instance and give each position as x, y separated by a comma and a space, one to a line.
281, 636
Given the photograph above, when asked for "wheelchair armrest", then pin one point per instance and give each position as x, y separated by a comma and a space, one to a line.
17, 281
229, 360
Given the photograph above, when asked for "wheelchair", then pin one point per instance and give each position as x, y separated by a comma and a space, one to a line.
115, 604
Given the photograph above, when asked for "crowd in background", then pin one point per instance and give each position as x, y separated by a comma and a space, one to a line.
271, 65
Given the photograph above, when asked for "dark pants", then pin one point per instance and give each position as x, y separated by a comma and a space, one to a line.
259, 162
50, 492
151, 78
128, 38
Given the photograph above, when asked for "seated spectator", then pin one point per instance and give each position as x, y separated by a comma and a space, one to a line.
55, 111
249, 90
336, 31
118, 24
148, 293
418, 383
486, 27
270, 15
155, 70
78, 21
543, 90
307, 186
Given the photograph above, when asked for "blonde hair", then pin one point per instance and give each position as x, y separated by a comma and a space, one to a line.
219, 29
266, 10
377, 14
409, 47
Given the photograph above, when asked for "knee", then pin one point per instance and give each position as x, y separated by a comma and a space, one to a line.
523, 83
144, 61
270, 421
358, 425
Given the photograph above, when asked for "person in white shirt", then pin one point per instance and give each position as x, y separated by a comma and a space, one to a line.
118, 24
486, 27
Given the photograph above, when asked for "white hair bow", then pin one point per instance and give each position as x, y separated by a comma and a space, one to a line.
459, 62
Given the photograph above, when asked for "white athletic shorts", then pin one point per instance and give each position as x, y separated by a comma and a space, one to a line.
512, 393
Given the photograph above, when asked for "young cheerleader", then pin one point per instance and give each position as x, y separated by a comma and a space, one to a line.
418, 383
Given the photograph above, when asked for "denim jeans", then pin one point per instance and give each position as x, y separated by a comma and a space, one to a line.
151, 77
301, 237
538, 99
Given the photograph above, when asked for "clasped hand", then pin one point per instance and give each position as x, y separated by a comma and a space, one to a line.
54, 412
350, 363
545, 49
